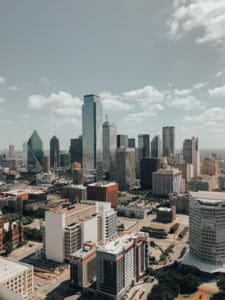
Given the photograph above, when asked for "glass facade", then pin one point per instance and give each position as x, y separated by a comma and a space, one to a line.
54, 152
92, 135
144, 145
35, 154
168, 134
109, 146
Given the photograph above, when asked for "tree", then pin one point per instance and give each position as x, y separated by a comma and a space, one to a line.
8, 247
152, 244
221, 283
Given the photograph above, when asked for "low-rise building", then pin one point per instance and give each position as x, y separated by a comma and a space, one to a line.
17, 277
103, 191
132, 211
74, 192
181, 202
166, 215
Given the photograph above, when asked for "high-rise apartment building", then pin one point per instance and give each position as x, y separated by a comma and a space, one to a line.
76, 150
168, 141
191, 154
125, 168
207, 226
109, 146
92, 135
83, 266
35, 154
144, 145
147, 167
166, 181
156, 147
54, 152
67, 229
119, 264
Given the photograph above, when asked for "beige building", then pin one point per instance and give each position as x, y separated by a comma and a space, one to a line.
181, 202
210, 167
17, 277
83, 266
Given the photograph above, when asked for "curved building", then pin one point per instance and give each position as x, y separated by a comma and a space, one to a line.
35, 154
207, 226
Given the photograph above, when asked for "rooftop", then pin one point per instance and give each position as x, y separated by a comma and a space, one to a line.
208, 197
76, 186
168, 171
10, 268
71, 209
103, 184
86, 250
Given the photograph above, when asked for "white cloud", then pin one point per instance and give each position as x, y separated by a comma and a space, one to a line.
2, 80
146, 95
2, 100
114, 102
14, 88
61, 103
207, 15
199, 85
220, 73
183, 92
217, 92
139, 117
186, 103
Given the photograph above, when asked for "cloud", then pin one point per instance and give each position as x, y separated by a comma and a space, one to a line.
220, 73
185, 103
60, 103
199, 85
207, 15
2, 100
217, 92
183, 92
148, 95
139, 117
114, 102
212, 119
14, 88
2, 80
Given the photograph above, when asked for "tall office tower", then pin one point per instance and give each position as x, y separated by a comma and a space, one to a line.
147, 167
35, 154
109, 146
191, 154
131, 142
11, 151
144, 145
119, 264
168, 141
24, 154
92, 135
122, 141
156, 147
83, 266
206, 226
166, 181
125, 168
54, 152
76, 150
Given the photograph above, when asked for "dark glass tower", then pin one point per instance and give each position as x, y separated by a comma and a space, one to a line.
54, 152
144, 145
35, 154
147, 167
76, 150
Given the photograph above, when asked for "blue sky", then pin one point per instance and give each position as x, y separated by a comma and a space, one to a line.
154, 63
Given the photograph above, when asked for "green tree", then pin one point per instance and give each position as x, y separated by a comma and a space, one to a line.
221, 283
8, 247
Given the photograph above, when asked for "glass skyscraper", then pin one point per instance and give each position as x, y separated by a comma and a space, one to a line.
168, 140
92, 135
54, 152
156, 147
144, 145
35, 154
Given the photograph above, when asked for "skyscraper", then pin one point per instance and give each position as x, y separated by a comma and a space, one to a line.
92, 135
191, 154
144, 145
122, 141
11, 151
131, 142
54, 152
168, 140
156, 147
109, 146
76, 150
35, 154
147, 167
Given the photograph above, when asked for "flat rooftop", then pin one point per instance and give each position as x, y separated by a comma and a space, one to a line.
102, 184
72, 209
76, 186
85, 251
168, 171
208, 196
10, 268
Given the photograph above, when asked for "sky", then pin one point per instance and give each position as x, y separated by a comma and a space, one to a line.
153, 63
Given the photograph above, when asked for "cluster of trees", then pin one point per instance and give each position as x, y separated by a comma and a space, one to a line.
173, 228
221, 286
182, 252
172, 283
157, 233
120, 227
166, 252
183, 232
32, 234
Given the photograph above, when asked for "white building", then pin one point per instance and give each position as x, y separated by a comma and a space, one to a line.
17, 277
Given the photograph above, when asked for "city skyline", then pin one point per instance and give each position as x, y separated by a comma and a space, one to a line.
146, 78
